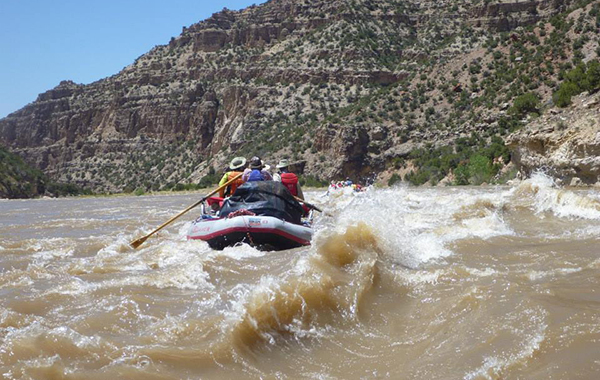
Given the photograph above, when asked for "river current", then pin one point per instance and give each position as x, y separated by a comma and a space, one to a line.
401, 283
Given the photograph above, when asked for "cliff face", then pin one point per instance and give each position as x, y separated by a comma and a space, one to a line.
564, 143
20, 180
17, 179
291, 78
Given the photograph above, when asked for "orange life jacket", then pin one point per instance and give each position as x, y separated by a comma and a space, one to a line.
235, 184
290, 180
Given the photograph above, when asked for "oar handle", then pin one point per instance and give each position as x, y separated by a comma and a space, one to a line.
138, 242
307, 204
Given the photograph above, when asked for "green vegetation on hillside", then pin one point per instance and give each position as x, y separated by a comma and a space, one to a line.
584, 77
472, 160
516, 71
311, 181
17, 179
20, 180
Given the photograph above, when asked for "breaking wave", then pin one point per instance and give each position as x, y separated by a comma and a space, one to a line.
543, 195
329, 282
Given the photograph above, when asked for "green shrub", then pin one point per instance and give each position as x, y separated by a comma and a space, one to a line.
419, 178
395, 178
398, 162
562, 97
207, 180
470, 160
525, 104
19, 180
477, 170
582, 78
480, 169
461, 175
66, 189
593, 76
311, 181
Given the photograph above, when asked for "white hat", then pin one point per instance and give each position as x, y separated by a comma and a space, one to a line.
284, 163
237, 163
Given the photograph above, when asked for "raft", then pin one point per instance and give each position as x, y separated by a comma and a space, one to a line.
263, 232
263, 214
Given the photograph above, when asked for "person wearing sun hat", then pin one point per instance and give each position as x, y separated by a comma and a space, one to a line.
256, 171
289, 179
236, 166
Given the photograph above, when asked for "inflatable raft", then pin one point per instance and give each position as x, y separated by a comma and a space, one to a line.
262, 214
264, 232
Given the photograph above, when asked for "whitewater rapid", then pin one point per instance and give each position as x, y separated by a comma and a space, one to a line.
402, 283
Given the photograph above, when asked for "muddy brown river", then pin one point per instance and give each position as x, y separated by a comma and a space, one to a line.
402, 283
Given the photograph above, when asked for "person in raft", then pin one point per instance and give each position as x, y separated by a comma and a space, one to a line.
289, 179
236, 166
256, 172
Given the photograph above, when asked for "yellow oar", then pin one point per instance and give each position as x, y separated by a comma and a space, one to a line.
138, 242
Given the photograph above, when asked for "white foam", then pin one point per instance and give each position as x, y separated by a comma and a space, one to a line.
79, 340
586, 232
426, 247
46, 256
487, 272
548, 197
409, 277
115, 247
179, 265
75, 286
239, 252
416, 226
493, 366
300, 331
538, 275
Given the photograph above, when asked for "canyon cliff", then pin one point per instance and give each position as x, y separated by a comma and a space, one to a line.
349, 87
564, 143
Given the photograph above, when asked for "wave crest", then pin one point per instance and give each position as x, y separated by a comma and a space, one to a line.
332, 284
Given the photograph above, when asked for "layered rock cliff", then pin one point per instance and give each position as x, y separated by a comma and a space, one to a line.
20, 180
564, 143
347, 86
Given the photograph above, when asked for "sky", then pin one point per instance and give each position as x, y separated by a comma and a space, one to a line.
43, 42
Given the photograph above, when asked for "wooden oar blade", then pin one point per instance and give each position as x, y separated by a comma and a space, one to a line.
136, 243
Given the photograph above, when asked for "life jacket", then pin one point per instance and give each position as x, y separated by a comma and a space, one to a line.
255, 175
290, 180
235, 184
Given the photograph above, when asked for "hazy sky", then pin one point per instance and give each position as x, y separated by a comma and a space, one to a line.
43, 42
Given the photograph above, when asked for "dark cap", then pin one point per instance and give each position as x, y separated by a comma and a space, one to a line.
256, 163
